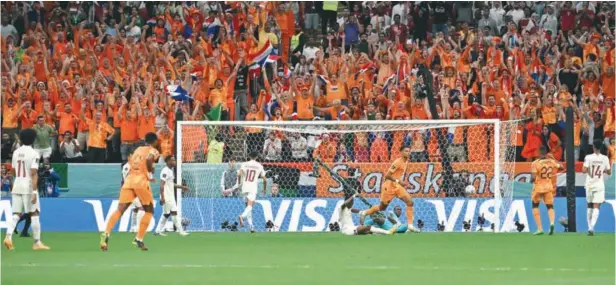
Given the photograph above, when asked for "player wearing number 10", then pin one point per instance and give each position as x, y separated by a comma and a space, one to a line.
594, 166
542, 173
248, 175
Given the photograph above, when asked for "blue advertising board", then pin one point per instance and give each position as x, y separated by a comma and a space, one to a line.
308, 215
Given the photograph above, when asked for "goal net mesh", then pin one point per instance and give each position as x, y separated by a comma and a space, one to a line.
303, 197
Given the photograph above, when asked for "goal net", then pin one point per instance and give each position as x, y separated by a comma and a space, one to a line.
460, 172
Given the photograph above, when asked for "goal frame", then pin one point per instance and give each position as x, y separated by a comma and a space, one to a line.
495, 122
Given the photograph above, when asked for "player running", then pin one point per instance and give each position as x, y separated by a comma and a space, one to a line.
542, 173
594, 166
137, 185
395, 186
137, 211
348, 228
167, 198
25, 189
247, 177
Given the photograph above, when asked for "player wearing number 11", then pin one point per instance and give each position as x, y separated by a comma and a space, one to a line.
594, 166
248, 176
542, 174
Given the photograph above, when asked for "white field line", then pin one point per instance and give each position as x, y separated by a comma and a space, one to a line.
375, 268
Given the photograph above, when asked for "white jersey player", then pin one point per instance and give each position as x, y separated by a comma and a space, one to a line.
348, 228
167, 198
595, 165
248, 176
25, 189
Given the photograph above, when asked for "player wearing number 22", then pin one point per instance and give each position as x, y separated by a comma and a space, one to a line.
595, 165
395, 186
136, 185
542, 174
25, 189
248, 176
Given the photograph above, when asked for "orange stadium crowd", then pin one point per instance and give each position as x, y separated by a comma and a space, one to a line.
92, 78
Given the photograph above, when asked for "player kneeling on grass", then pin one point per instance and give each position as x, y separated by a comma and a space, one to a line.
25, 189
249, 173
542, 173
167, 198
594, 166
348, 228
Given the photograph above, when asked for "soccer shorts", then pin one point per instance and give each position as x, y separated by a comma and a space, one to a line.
547, 197
129, 192
170, 205
22, 203
44, 152
250, 196
595, 195
391, 190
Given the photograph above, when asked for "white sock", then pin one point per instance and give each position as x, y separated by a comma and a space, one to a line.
139, 217
249, 218
589, 217
161, 223
12, 223
593, 219
133, 220
176, 223
36, 229
247, 210
378, 231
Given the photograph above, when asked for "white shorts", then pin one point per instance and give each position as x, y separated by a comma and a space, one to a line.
136, 204
349, 230
22, 203
44, 152
170, 205
250, 196
595, 196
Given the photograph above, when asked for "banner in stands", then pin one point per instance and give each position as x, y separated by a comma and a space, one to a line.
306, 215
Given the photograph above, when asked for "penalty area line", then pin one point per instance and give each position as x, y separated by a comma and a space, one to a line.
307, 266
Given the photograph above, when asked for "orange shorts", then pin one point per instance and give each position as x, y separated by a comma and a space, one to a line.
547, 197
391, 190
130, 191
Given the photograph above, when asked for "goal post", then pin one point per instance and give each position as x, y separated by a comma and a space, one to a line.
302, 197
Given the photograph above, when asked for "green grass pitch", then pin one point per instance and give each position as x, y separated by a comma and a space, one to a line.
315, 258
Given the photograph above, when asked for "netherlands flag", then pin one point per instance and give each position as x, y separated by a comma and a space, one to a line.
341, 114
322, 79
260, 57
387, 82
270, 106
178, 93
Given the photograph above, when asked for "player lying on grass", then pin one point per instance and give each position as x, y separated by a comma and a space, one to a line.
249, 175
595, 165
167, 198
385, 220
395, 187
542, 172
348, 228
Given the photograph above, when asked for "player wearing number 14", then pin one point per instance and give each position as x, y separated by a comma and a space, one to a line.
594, 166
542, 174
248, 176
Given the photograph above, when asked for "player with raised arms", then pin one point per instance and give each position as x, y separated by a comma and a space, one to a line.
248, 175
595, 165
395, 186
25, 189
542, 175
167, 198
137, 185
348, 228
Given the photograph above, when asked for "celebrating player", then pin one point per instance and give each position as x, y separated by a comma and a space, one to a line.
395, 186
249, 172
137, 185
167, 198
25, 189
137, 212
542, 173
594, 166
348, 228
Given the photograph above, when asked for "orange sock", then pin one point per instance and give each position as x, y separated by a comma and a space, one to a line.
373, 210
143, 226
409, 215
551, 215
537, 217
112, 221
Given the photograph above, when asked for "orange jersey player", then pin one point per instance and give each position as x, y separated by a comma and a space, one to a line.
137, 185
395, 187
543, 171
